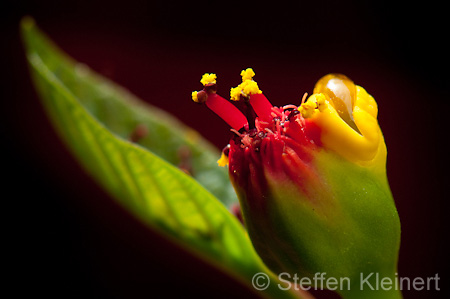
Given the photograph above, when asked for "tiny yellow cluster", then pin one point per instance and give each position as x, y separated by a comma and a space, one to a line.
314, 103
208, 78
223, 161
247, 74
247, 87
194, 96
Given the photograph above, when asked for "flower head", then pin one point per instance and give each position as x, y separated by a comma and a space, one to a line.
339, 116
311, 179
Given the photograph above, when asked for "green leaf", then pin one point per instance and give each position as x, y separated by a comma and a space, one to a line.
159, 194
122, 113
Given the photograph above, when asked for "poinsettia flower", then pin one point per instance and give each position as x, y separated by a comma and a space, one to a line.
311, 180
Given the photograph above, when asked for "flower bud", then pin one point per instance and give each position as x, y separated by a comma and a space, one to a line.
312, 185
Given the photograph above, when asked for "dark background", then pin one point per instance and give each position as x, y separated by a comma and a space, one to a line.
68, 239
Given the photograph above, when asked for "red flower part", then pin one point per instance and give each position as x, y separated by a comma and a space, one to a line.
223, 108
262, 106
264, 133
282, 148
227, 111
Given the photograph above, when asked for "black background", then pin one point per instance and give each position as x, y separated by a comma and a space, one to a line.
68, 239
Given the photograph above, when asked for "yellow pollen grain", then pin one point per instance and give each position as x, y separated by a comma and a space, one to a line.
194, 96
315, 102
247, 87
208, 78
223, 161
247, 74
235, 93
307, 108
250, 87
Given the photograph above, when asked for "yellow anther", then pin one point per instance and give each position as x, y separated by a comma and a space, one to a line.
307, 108
250, 87
223, 161
247, 87
247, 74
208, 79
235, 93
194, 96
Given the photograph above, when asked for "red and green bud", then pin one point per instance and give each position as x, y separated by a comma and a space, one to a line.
312, 185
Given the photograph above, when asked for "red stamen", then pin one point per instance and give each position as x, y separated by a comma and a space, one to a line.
262, 106
227, 111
